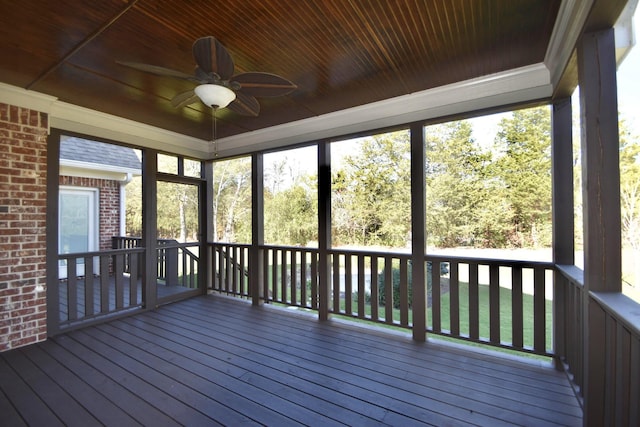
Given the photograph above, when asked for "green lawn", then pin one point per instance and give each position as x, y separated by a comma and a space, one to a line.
483, 294
505, 314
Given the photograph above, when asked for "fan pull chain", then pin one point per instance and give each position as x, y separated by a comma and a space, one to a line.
214, 131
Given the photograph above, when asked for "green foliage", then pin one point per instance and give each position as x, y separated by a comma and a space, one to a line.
524, 166
476, 196
630, 187
371, 194
291, 216
232, 200
464, 203
395, 281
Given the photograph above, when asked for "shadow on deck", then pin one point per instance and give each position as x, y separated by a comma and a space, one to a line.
213, 360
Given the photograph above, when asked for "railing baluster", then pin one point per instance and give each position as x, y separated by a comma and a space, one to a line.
361, 287
284, 297
374, 288
118, 269
266, 293
539, 309
454, 299
494, 303
244, 286
404, 293
88, 286
388, 289
234, 269
517, 316
294, 277
72, 290
336, 282
314, 280
348, 290
436, 299
133, 278
474, 302
104, 284
274, 274
228, 271
303, 278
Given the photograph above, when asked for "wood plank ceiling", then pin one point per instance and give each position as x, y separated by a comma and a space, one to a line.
340, 53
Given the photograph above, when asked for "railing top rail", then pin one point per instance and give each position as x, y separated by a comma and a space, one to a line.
491, 261
226, 244
620, 307
571, 272
291, 248
179, 245
378, 253
100, 253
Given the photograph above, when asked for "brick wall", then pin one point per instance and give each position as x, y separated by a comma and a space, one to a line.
23, 170
109, 217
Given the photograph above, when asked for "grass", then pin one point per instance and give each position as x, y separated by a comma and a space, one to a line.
483, 294
505, 314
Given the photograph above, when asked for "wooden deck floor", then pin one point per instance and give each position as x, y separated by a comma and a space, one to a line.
211, 360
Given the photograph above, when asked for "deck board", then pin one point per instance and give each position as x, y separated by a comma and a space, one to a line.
213, 360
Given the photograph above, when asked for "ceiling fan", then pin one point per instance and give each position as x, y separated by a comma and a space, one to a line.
217, 86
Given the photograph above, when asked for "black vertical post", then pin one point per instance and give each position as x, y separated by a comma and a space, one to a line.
150, 227
418, 234
205, 277
324, 229
256, 262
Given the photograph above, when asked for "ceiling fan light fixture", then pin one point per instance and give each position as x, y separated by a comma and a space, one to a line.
215, 96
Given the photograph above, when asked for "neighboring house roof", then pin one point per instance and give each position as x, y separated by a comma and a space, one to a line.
87, 151
87, 158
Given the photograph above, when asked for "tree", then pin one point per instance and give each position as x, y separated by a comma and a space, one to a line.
372, 194
630, 198
463, 202
232, 200
291, 215
524, 166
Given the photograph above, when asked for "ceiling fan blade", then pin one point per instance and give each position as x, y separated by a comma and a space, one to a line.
264, 84
212, 56
183, 99
157, 70
245, 105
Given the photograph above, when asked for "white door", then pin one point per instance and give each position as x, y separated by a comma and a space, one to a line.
77, 225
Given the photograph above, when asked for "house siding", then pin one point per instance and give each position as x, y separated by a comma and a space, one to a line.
23, 210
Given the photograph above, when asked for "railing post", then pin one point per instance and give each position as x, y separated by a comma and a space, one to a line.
256, 267
601, 203
418, 238
324, 229
562, 216
171, 266
149, 227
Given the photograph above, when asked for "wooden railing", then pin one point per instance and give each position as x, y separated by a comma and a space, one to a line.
177, 264
230, 264
95, 284
614, 336
290, 276
615, 381
569, 324
496, 302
